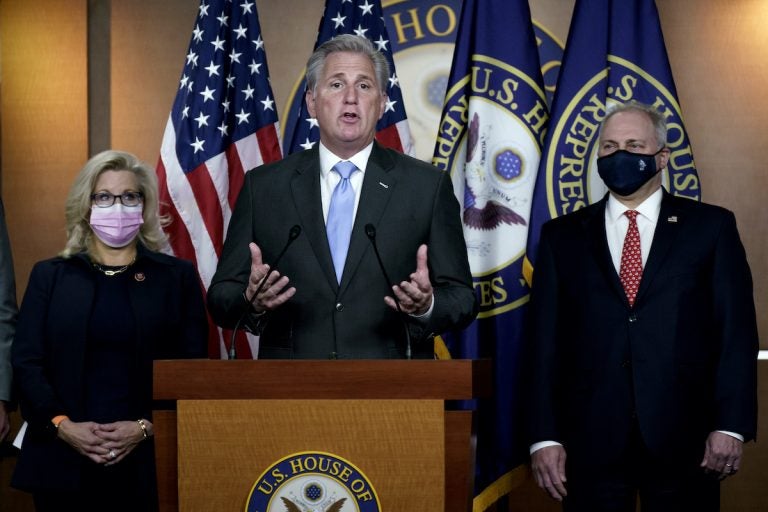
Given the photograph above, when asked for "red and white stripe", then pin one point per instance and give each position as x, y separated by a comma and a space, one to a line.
199, 205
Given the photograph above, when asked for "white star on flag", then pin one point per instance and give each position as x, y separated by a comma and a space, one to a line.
254, 67
366, 8
207, 94
212, 69
218, 44
339, 20
267, 103
381, 43
198, 144
202, 120
240, 31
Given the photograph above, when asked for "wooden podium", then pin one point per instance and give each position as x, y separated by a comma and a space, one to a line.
219, 425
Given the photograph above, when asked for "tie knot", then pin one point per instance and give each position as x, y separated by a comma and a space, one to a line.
632, 214
345, 169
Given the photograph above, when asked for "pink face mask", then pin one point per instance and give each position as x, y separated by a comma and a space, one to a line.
116, 225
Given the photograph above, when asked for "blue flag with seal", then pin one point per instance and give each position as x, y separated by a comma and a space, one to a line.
365, 19
615, 54
490, 138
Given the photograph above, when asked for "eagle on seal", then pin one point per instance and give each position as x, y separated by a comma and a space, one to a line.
493, 213
292, 507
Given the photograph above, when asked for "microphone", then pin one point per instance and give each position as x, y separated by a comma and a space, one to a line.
293, 234
370, 232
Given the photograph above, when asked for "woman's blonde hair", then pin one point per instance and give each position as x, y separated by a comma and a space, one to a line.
78, 205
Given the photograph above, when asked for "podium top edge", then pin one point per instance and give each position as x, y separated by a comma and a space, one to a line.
456, 379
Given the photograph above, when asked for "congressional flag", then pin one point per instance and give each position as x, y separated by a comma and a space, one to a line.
615, 53
223, 123
363, 18
490, 138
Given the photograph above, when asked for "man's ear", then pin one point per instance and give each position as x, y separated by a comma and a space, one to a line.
309, 97
383, 104
663, 158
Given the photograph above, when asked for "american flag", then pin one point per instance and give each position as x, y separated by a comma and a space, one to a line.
363, 18
223, 123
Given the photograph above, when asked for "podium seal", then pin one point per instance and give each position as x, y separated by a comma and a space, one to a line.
312, 481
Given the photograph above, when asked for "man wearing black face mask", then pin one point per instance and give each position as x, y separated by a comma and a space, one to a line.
643, 339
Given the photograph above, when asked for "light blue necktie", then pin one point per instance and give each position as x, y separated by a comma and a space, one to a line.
340, 216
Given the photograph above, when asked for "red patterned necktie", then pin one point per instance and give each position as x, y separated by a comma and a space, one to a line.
631, 269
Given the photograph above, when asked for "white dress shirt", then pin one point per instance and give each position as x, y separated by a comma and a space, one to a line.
616, 224
329, 179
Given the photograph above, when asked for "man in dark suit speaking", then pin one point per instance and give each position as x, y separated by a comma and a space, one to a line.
340, 201
644, 339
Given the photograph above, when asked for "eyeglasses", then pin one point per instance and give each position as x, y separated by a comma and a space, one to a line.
105, 199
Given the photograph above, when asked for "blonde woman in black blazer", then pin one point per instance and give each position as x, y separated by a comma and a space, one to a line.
91, 323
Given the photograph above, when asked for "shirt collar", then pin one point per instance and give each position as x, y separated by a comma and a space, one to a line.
328, 159
649, 208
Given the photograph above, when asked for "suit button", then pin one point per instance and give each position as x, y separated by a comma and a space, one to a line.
626, 363
339, 307
632, 318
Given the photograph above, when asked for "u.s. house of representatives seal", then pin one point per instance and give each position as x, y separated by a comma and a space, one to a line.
312, 482
493, 164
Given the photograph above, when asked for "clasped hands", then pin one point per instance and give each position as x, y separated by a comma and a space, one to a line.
415, 295
103, 443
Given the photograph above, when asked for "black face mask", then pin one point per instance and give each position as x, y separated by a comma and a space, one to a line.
624, 172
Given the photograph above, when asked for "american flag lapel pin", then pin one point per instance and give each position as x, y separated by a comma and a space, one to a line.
672, 218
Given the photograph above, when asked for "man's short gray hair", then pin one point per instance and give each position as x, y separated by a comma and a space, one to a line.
657, 118
347, 43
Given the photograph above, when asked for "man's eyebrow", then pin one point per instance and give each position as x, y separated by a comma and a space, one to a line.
603, 141
356, 78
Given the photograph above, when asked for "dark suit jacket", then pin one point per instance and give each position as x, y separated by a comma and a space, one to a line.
49, 352
7, 309
408, 201
683, 361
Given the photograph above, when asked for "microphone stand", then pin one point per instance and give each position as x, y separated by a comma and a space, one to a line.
293, 233
370, 232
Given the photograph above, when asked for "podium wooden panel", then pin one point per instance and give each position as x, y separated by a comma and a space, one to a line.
222, 406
